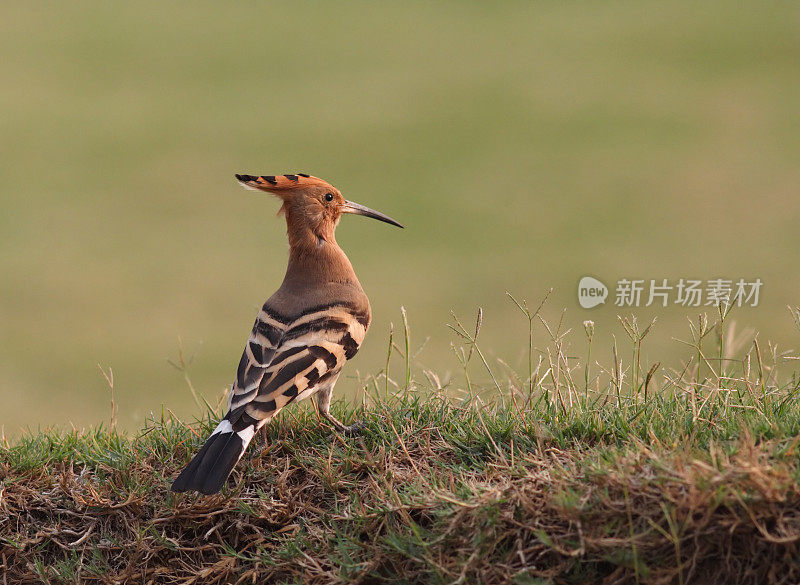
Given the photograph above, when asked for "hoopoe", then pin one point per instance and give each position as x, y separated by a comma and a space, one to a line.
303, 334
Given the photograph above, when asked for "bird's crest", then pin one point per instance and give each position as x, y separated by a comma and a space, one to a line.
281, 183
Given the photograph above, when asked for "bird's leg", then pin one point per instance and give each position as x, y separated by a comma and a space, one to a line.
324, 408
262, 444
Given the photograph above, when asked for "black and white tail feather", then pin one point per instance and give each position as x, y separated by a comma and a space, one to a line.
286, 358
208, 470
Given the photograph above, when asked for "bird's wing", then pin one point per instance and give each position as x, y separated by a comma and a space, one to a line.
263, 343
288, 359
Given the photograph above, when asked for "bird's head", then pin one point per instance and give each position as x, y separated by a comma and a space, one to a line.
309, 202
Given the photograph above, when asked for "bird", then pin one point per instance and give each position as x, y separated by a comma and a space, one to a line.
302, 336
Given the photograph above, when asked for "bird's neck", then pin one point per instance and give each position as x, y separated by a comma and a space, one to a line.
315, 258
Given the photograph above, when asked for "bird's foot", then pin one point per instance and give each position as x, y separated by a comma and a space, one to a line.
353, 429
258, 451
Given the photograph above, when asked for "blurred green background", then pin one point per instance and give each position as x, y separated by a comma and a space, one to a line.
524, 145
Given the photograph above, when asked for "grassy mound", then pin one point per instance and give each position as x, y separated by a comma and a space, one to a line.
620, 477
432, 492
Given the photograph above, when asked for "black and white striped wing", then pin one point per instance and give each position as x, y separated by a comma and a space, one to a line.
261, 347
287, 361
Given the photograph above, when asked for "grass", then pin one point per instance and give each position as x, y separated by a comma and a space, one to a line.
569, 472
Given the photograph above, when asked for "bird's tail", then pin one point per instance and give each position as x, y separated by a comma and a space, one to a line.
208, 470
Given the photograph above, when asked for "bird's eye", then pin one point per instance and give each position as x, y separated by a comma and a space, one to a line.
328, 196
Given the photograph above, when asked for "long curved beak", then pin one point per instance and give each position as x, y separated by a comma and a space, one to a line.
350, 207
